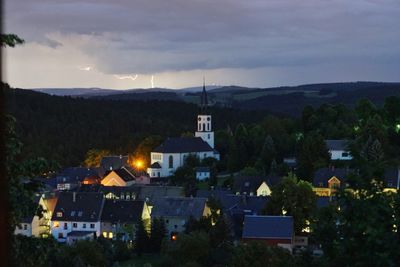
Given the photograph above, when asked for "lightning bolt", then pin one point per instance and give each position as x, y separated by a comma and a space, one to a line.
152, 81
123, 77
86, 68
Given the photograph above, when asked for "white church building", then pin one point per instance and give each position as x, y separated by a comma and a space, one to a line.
172, 153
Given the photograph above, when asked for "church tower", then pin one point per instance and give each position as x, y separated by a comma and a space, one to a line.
204, 126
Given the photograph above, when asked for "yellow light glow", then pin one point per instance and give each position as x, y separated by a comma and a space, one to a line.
105, 234
139, 164
173, 237
110, 235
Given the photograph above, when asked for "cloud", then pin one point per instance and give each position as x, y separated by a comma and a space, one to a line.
158, 36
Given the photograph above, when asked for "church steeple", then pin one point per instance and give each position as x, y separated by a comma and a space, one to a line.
204, 98
204, 126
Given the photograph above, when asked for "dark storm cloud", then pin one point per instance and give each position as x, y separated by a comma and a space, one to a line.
151, 36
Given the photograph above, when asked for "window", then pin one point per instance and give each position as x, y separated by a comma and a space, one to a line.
65, 226
59, 214
199, 126
72, 213
170, 162
25, 227
158, 174
208, 136
92, 225
80, 214
205, 155
105, 234
204, 126
345, 154
60, 235
128, 197
153, 174
208, 128
75, 225
110, 235
84, 225
166, 221
175, 226
56, 224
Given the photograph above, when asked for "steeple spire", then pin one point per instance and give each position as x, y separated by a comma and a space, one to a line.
204, 99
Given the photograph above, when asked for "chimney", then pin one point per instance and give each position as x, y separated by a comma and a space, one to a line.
73, 196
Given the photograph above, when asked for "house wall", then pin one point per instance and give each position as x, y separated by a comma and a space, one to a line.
337, 155
263, 190
56, 230
20, 229
178, 161
202, 175
175, 224
113, 179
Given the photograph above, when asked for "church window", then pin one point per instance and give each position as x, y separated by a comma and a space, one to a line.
158, 174
208, 126
171, 162
205, 155
208, 136
199, 126
204, 126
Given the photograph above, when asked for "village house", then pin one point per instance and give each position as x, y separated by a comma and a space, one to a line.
76, 212
119, 218
326, 181
176, 211
109, 163
391, 179
118, 177
72, 177
202, 173
273, 230
172, 153
35, 225
255, 185
338, 149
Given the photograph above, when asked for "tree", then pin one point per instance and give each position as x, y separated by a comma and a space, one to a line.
188, 250
10, 40
257, 254
141, 238
143, 150
313, 154
360, 227
157, 234
94, 156
295, 198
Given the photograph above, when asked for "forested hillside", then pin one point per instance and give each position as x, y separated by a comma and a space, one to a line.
65, 128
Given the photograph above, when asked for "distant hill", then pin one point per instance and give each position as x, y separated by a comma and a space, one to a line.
288, 100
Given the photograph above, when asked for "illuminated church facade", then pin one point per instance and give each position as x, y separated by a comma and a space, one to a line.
172, 153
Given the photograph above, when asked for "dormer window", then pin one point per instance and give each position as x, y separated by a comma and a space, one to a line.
80, 214
247, 184
59, 214
72, 213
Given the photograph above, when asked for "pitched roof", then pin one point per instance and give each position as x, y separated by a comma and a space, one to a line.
336, 144
86, 207
75, 174
268, 227
179, 207
247, 184
113, 162
323, 175
123, 173
155, 165
183, 145
122, 211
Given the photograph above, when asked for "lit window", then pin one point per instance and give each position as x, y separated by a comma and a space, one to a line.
56, 224
110, 235
84, 225
59, 214
105, 234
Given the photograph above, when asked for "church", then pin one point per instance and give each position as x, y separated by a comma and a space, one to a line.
172, 153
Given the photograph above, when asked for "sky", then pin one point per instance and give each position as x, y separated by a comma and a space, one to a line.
123, 44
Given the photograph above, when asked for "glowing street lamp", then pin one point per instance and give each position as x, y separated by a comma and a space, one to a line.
139, 164
398, 128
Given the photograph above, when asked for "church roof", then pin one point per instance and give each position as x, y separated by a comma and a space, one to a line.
183, 145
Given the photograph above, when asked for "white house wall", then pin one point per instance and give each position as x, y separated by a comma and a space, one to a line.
60, 229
